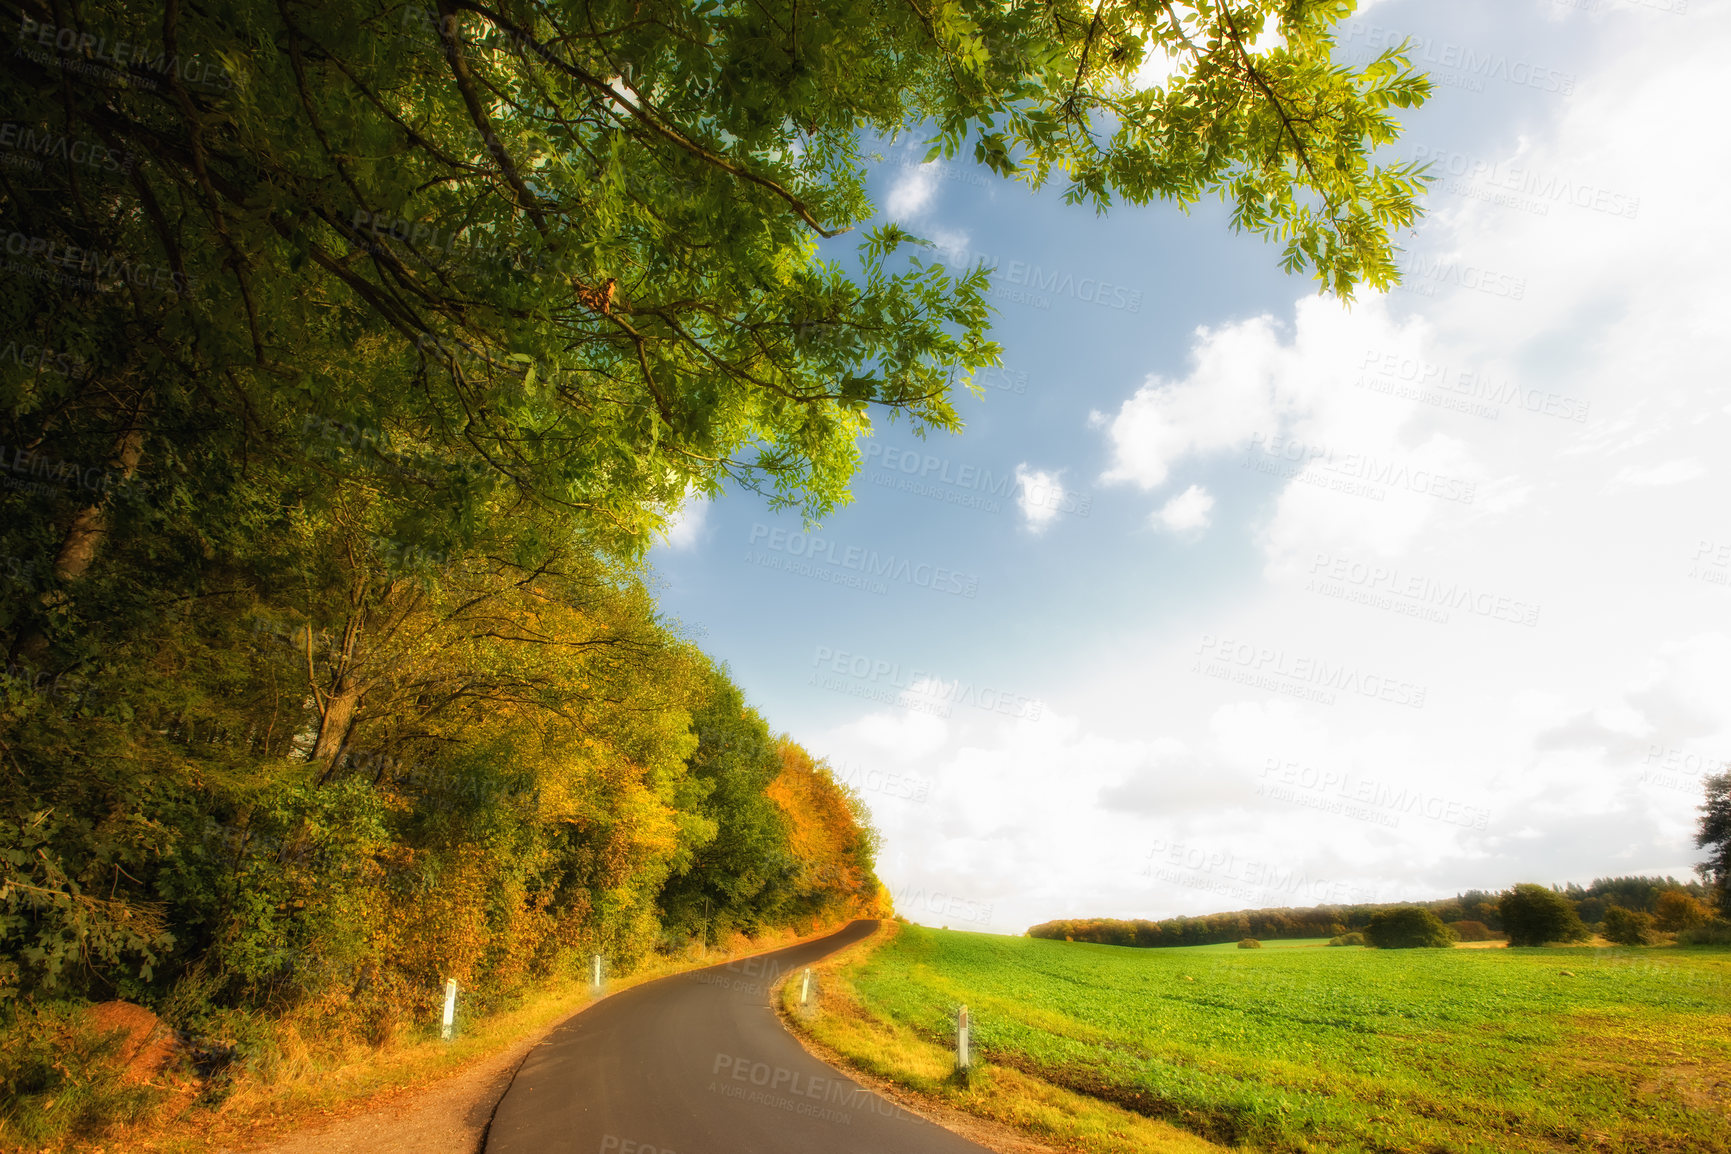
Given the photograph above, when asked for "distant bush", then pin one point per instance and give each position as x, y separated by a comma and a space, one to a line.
1676, 911
1407, 928
1250, 944
1533, 915
1714, 933
1470, 931
1352, 939
1627, 927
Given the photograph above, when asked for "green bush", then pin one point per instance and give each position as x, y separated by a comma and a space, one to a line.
1407, 928
1250, 944
1533, 915
1714, 933
1350, 939
1470, 931
1627, 927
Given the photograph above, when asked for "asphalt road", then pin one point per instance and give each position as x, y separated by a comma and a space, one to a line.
699, 1064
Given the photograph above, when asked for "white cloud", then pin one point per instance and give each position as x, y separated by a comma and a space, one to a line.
684, 528
1186, 512
901, 736
952, 244
1039, 495
913, 191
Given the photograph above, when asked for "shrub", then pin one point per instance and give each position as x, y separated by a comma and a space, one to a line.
63, 1078
1250, 944
1470, 931
1533, 915
1676, 911
1714, 933
1350, 939
1627, 927
1406, 928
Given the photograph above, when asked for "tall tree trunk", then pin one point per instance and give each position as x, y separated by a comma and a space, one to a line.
339, 715
78, 547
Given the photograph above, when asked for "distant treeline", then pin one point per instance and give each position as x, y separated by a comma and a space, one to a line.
1590, 902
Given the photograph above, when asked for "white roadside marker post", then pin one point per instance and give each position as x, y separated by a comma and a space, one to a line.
595, 983
449, 1026
805, 988
963, 1058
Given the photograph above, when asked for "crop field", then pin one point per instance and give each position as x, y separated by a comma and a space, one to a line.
1303, 1047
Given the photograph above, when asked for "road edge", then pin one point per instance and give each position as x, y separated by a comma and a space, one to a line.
267, 1133
988, 1132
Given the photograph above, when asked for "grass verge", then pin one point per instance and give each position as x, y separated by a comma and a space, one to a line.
841, 1029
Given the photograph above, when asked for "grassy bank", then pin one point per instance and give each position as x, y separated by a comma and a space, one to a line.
305, 1072
1305, 1049
898, 1058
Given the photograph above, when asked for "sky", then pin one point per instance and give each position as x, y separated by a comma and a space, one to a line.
1231, 596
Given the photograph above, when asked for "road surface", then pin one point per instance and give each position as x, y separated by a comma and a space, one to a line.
699, 1064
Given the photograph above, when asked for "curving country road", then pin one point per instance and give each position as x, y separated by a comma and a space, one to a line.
699, 1064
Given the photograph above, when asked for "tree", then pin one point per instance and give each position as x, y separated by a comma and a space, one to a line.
1405, 928
567, 254
1533, 915
1627, 927
1676, 910
745, 876
1714, 835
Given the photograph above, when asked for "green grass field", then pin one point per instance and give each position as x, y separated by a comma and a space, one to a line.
1348, 1049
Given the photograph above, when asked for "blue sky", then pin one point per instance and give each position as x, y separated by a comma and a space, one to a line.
1229, 596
